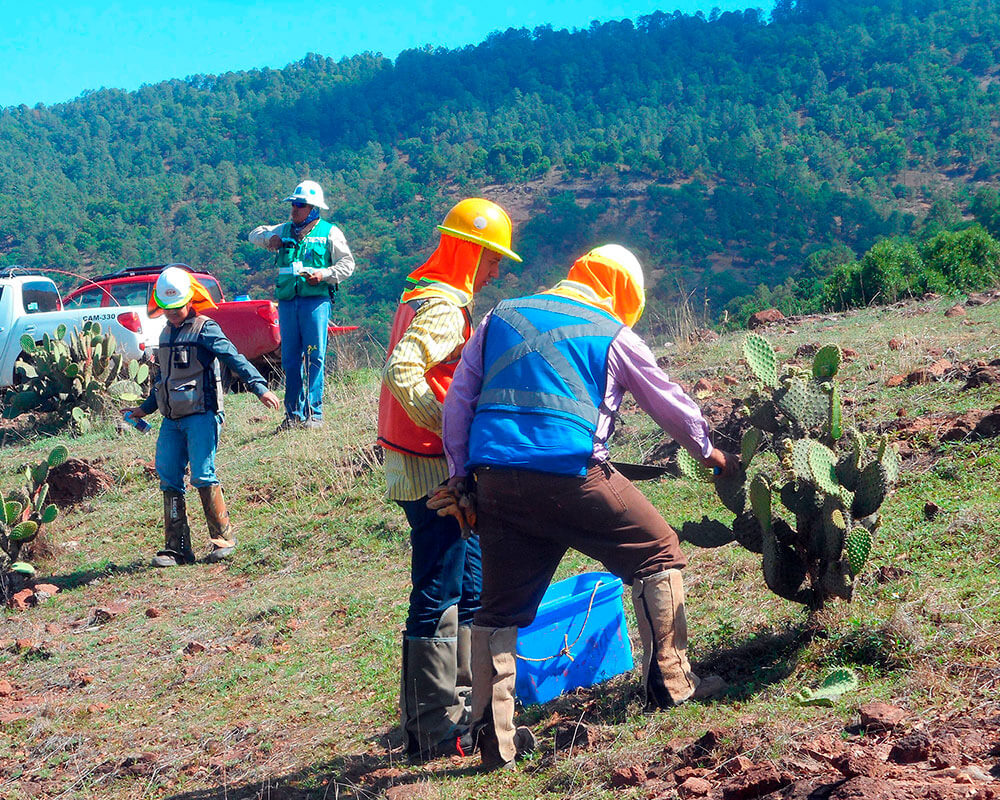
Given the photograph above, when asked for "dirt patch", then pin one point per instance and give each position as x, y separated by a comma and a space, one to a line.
75, 480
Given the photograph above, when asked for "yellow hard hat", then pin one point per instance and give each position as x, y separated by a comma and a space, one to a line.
483, 222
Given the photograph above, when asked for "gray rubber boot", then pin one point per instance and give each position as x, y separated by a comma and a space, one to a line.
430, 708
494, 667
659, 610
463, 675
177, 535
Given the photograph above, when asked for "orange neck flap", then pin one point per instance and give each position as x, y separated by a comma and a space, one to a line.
603, 283
450, 272
201, 300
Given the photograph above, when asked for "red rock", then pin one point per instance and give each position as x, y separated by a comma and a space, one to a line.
756, 782
6, 688
152, 612
101, 615
880, 716
854, 765
634, 775
762, 318
847, 352
911, 749
735, 766
703, 385
193, 648
730, 380
895, 344
24, 644
895, 380
97, 708
955, 311
694, 787
49, 588
23, 599
940, 367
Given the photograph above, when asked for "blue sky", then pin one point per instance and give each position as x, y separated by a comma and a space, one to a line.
52, 52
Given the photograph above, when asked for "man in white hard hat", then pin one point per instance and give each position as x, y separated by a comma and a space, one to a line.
312, 258
187, 391
529, 411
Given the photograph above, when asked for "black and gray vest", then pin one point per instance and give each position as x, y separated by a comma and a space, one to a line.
185, 382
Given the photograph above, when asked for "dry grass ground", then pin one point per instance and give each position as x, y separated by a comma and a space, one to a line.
274, 675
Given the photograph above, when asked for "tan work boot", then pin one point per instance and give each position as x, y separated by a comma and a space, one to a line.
666, 673
217, 517
176, 533
430, 710
493, 674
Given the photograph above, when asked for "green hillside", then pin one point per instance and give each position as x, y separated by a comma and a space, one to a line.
725, 150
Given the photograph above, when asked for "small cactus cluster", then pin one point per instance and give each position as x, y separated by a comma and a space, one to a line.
799, 465
25, 511
76, 377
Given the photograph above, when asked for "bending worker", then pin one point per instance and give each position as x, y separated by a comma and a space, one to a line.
430, 328
529, 411
312, 258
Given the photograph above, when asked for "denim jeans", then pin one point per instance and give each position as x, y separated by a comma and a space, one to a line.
445, 569
303, 322
193, 439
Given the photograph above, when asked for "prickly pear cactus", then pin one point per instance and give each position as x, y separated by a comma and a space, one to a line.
809, 506
76, 377
23, 514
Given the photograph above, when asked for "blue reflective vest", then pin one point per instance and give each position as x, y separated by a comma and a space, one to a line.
545, 371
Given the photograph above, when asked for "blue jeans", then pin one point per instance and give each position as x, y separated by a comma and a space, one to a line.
193, 439
303, 322
445, 569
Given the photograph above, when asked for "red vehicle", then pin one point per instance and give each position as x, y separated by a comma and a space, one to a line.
251, 325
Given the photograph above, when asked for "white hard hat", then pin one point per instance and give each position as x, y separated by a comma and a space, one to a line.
173, 288
626, 258
308, 192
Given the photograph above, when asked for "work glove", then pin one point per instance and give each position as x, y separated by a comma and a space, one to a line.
454, 501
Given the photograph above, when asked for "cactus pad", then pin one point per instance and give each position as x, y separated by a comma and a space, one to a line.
760, 501
822, 463
706, 533
749, 445
804, 402
858, 545
837, 683
23, 532
872, 489
747, 531
732, 491
22, 568
826, 362
761, 359
691, 469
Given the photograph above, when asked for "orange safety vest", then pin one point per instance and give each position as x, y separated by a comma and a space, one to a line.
396, 430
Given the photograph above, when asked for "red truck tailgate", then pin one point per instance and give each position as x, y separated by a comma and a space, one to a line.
250, 324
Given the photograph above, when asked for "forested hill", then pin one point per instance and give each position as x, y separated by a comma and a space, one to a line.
725, 150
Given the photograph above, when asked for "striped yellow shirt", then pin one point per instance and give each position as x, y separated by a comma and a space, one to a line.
432, 336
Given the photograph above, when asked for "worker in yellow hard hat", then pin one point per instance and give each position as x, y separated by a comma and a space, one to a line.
431, 325
529, 412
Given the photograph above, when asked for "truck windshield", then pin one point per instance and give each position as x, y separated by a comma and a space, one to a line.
40, 296
131, 294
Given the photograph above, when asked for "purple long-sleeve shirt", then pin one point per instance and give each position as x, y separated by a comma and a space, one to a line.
631, 367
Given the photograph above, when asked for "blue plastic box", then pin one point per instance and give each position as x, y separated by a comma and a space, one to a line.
599, 646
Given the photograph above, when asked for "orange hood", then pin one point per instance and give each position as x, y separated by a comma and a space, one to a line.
450, 272
605, 283
201, 300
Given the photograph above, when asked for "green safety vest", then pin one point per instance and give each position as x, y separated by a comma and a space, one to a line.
311, 254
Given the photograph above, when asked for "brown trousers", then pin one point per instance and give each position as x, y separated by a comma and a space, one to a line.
528, 520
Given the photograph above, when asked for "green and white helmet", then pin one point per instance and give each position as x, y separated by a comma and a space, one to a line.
308, 192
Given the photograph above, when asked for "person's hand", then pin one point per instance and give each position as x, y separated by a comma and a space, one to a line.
451, 500
723, 464
312, 278
137, 413
270, 399
274, 243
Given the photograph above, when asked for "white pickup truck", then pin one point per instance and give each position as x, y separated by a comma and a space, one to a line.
30, 304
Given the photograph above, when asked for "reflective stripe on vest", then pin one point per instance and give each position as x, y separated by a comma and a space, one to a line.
545, 364
311, 252
396, 430
181, 385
